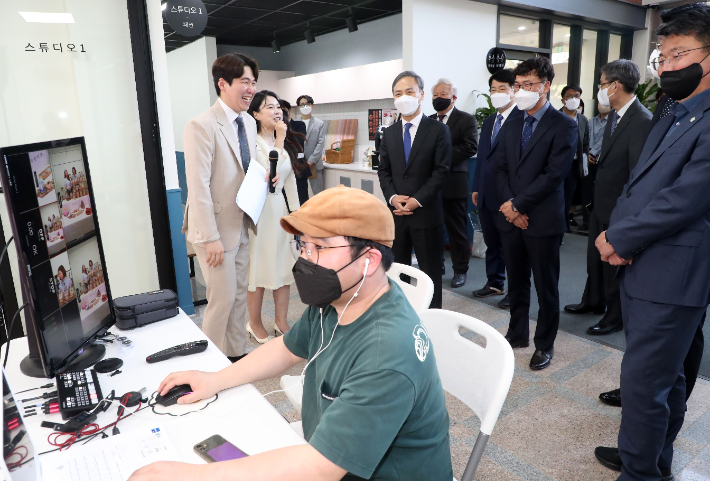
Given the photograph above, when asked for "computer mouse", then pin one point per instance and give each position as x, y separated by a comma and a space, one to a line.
173, 395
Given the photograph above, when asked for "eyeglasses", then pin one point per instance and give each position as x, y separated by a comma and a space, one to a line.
527, 85
601, 85
659, 62
309, 250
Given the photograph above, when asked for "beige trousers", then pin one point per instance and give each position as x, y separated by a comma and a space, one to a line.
224, 321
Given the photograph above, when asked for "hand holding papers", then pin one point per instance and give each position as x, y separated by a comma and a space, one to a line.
252, 193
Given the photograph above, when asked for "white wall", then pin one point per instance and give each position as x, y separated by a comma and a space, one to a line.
375, 41
642, 46
269, 80
191, 86
457, 52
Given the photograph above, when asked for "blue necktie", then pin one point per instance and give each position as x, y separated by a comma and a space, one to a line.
527, 132
496, 128
407, 143
614, 120
243, 145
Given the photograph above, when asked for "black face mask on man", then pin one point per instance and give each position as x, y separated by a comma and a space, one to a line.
680, 84
440, 104
319, 286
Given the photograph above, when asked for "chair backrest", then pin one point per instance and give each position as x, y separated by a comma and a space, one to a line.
479, 377
293, 388
419, 296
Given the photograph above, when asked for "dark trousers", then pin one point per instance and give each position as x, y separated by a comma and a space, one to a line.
570, 188
428, 245
658, 339
602, 288
541, 255
302, 188
691, 365
588, 192
455, 218
495, 263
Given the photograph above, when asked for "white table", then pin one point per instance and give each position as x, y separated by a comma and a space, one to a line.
241, 415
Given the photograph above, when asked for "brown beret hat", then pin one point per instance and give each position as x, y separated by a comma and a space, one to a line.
342, 211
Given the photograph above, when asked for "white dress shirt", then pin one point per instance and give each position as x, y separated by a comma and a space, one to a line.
231, 116
623, 109
412, 133
506, 113
446, 116
306, 121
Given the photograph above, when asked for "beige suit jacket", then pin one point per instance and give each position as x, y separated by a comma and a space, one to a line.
214, 173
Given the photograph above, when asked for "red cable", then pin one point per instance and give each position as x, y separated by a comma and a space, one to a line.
16, 464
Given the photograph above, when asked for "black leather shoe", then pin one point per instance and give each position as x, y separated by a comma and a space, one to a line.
609, 457
234, 359
487, 290
599, 329
573, 222
582, 308
459, 280
612, 398
505, 303
541, 359
517, 342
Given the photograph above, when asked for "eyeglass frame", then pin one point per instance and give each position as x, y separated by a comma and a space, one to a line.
301, 244
599, 86
517, 86
657, 63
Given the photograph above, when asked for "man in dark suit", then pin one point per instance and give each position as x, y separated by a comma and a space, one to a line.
484, 187
299, 127
415, 159
535, 153
623, 141
571, 99
454, 194
659, 232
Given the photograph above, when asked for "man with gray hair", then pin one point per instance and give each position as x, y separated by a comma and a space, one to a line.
464, 141
415, 159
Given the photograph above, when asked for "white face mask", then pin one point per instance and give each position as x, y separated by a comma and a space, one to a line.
305, 110
604, 110
500, 100
603, 97
572, 104
526, 99
406, 104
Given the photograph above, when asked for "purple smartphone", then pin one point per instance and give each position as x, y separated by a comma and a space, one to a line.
216, 448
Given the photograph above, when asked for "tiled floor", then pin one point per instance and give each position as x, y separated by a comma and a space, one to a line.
552, 420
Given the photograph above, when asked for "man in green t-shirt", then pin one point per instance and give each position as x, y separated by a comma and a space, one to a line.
373, 406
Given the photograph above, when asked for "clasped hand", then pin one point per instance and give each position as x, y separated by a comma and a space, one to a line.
608, 253
516, 218
404, 205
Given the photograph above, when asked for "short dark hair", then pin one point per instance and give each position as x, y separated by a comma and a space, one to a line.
409, 73
623, 71
539, 66
359, 245
576, 88
659, 93
308, 98
231, 66
505, 76
687, 20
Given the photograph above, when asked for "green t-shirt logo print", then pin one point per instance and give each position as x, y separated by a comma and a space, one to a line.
421, 342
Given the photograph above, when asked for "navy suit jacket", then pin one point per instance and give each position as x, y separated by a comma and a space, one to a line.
484, 177
534, 179
662, 218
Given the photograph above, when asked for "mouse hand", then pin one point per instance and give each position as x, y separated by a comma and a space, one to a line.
204, 385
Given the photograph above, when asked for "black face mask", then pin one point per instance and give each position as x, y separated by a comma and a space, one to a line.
680, 84
440, 104
317, 285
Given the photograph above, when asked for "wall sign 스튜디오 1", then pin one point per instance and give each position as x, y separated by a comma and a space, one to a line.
187, 17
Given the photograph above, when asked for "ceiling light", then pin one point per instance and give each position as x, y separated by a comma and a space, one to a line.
351, 22
164, 5
521, 28
309, 36
41, 17
275, 45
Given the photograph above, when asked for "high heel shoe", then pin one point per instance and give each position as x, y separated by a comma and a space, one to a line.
260, 341
277, 331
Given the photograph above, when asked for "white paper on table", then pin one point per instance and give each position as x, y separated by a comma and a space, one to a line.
585, 164
252, 193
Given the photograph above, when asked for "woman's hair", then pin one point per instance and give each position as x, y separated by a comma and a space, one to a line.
73, 170
91, 263
291, 144
63, 271
66, 174
83, 268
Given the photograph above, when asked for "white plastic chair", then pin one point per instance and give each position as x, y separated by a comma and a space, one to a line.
479, 377
419, 295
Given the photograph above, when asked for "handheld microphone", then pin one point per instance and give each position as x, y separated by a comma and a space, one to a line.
273, 159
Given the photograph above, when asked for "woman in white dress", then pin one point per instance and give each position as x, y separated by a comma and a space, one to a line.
270, 258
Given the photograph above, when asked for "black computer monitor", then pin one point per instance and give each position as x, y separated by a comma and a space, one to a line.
63, 276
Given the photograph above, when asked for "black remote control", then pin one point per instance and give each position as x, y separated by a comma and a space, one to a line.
179, 350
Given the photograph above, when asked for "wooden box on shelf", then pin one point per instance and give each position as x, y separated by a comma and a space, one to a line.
342, 156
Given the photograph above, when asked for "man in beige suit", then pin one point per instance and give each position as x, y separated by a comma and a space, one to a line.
219, 144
